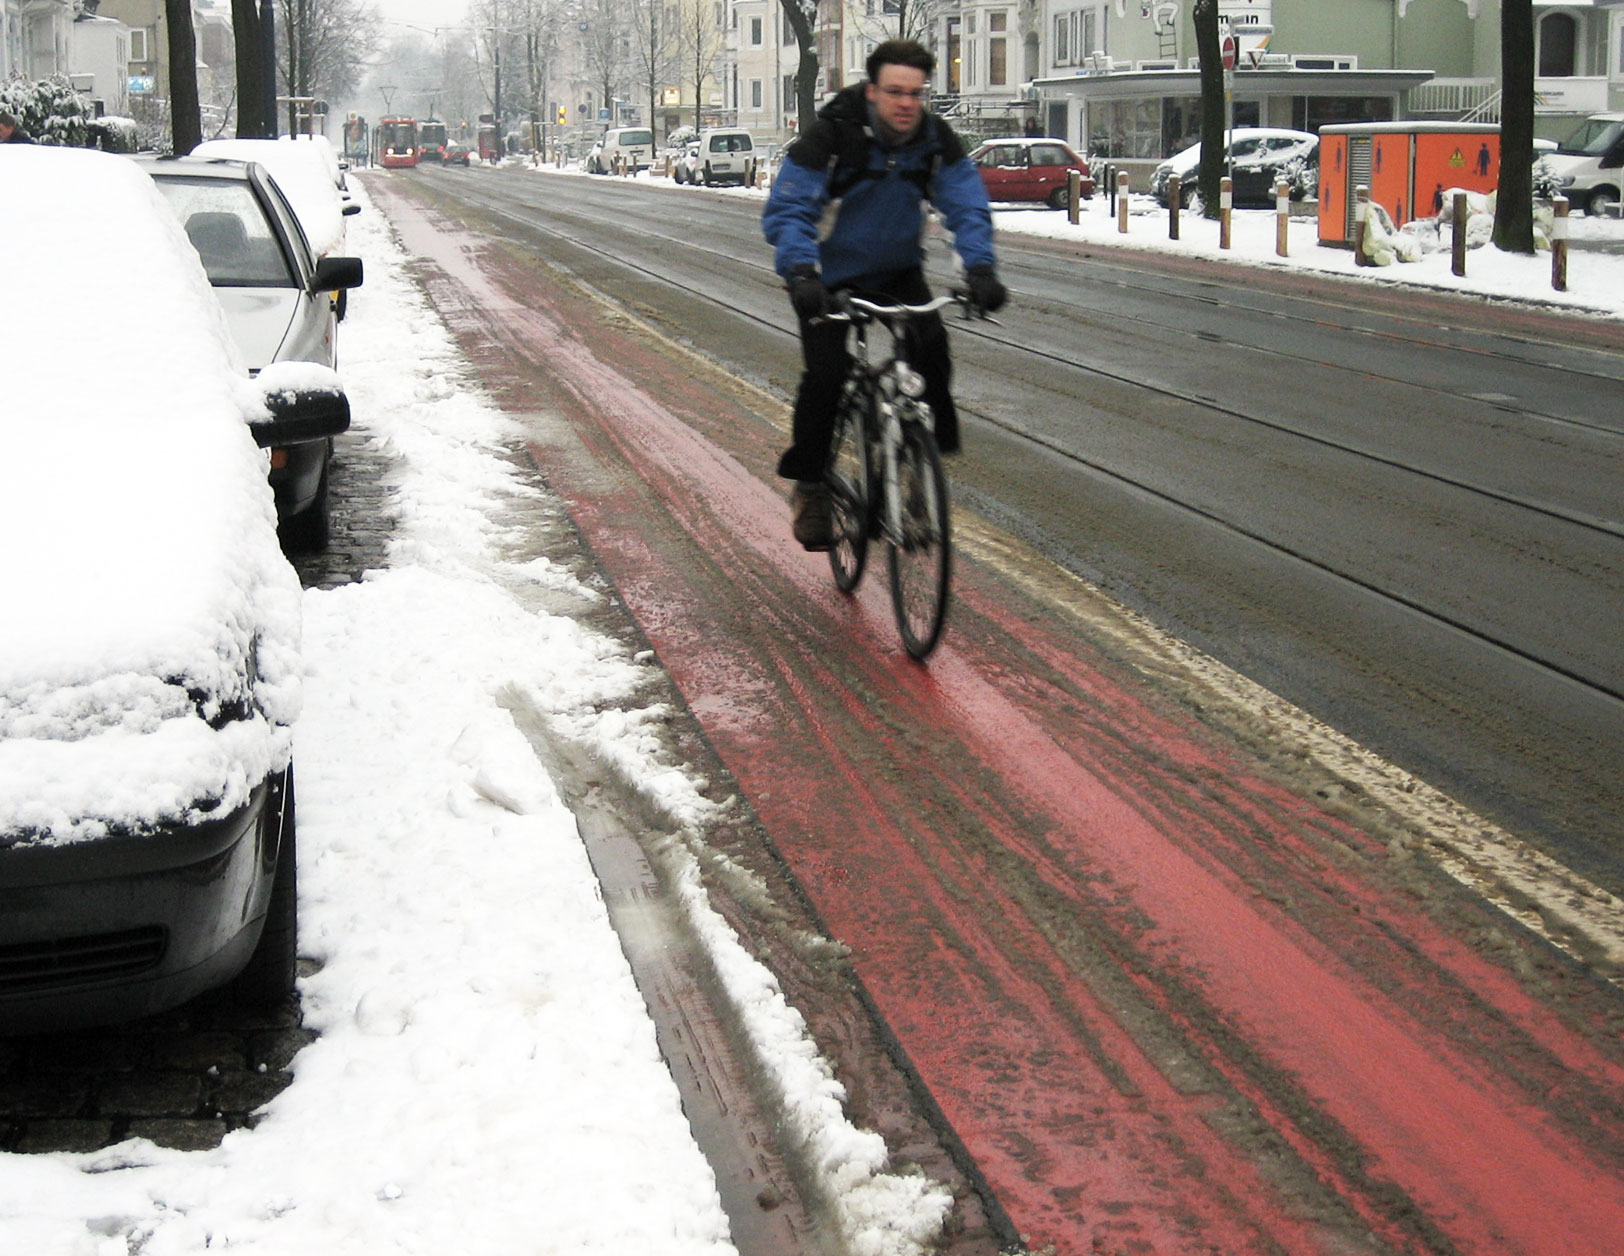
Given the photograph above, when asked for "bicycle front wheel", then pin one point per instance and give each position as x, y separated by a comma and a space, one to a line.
921, 557
848, 482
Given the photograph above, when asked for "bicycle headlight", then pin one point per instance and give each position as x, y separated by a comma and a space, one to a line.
910, 382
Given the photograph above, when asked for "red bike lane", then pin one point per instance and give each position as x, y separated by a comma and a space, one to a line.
1167, 1003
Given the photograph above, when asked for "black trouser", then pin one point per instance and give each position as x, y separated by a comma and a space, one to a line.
823, 349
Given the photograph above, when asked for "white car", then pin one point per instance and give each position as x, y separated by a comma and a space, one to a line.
685, 169
149, 666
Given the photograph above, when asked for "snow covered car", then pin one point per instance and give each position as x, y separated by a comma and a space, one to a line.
1261, 157
278, 294
685, 169
149, 660
1017, 168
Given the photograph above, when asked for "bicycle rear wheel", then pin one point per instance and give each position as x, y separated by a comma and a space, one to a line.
848, 481
921, 558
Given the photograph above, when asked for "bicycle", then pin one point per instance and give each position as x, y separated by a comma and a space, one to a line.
884, 436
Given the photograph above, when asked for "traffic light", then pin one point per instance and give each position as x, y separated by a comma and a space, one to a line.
563, 114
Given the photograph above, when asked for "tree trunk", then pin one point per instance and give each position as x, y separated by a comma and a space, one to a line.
251, 69
1514, 206
1204, 21
806, 70
185, 116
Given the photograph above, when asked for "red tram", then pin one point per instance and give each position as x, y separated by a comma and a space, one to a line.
397, 142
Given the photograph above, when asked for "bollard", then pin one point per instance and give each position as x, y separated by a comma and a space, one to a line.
1122, 201
1175, 198
1226, 209
1074, 194
1282, 217
1457, 236
1110, 187
1559, 244
1361, 218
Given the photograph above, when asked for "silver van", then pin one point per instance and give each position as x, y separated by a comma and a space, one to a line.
726, 155
633, 145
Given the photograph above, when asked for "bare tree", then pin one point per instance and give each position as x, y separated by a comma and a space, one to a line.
185, 115
605, 46
701, 38
1204, 21
1514, 205
323, 46
654, 50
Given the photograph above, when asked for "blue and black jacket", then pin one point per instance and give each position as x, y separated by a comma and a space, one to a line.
881, 192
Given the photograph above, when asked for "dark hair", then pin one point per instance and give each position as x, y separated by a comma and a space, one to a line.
9, 119
900, 52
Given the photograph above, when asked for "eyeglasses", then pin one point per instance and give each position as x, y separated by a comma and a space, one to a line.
914, 93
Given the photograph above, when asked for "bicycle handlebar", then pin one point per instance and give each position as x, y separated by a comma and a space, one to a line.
852, 308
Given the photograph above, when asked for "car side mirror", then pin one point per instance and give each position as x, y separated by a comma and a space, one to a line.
336, 272
351, 208
304, 401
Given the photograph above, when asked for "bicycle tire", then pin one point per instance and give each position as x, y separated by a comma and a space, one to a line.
849, 481
921, 559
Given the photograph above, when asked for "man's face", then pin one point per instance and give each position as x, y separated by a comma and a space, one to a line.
5, 132
898, 96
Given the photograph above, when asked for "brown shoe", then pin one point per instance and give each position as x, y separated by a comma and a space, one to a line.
809, 515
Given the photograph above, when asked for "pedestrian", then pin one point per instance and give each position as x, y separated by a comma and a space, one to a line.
11, 131
1030, 127
877, 149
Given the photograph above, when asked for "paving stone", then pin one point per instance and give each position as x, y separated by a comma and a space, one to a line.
150, 1094
75, 1135
182, 1135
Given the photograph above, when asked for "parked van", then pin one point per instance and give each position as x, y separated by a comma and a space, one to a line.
726, 155
1589, 163
633, 145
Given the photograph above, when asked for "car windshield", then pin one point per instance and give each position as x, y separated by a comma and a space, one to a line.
730, 143
229, 230
637, 137
1592, 138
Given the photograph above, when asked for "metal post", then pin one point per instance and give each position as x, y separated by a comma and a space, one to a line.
1122, 201
1074, 194
1226, 209
1559, 245
1282, 217
1361, 220
1175, 198
1458, 233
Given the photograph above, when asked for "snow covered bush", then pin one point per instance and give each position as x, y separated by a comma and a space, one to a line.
49, 110
116, 135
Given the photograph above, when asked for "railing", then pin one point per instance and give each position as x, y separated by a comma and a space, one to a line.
1456, 97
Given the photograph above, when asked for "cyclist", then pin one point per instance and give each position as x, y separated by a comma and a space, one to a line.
878, 150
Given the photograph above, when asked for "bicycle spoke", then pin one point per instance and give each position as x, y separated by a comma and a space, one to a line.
921, 556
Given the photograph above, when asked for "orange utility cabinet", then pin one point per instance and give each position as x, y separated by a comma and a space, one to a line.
1408, 166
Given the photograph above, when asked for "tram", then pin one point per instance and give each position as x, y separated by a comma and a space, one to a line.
431, 141
397, 142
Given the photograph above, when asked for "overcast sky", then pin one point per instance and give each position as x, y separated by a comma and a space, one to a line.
426, 14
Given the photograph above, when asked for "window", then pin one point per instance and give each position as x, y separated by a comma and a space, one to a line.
1558, 45
755, 32
138, 43
1077, 34
997, 50
755, 93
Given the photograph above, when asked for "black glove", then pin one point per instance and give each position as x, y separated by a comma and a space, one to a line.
807, 293
985, 289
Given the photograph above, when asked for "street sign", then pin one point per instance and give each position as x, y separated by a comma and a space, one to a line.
1230, 48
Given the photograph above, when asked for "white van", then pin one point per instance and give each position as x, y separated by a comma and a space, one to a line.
633, 145
1589, 163
727, 154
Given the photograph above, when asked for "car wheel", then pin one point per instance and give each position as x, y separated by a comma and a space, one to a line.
1601, 202
267, 979
310, 529
1060, 198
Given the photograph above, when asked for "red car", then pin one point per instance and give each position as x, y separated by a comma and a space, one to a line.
1020, 169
